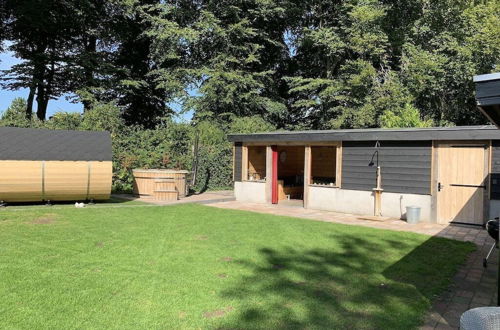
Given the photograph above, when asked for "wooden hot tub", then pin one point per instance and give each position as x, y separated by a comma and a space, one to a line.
160, 184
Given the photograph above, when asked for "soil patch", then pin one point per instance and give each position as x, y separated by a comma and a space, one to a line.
226, 259
217, 313
44, 219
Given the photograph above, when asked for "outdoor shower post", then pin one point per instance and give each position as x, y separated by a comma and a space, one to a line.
378, 194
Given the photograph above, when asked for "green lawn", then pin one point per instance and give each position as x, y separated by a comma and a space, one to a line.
193, 266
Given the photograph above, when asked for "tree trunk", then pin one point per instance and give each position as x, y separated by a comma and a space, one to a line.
29, 105
38, 73
89, 67
41, 109
45, 90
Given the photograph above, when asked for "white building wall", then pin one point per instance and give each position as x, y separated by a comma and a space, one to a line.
362, 202
253, 192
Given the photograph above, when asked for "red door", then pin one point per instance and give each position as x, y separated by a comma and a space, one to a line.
274, 182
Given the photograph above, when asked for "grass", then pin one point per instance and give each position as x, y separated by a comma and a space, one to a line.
193, 266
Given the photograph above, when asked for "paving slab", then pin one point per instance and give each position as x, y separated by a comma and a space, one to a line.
202, 198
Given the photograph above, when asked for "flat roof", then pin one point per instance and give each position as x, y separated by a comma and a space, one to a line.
485, 132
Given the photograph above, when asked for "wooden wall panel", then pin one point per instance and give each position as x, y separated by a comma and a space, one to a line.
35, 181
65, 180
101, 176
20, 181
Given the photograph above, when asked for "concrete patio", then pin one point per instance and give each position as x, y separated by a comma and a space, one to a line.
473, 286
202, 198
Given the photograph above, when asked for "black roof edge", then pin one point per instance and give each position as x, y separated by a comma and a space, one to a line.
486, 132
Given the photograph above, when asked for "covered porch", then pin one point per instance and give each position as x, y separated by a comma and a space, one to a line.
286, 173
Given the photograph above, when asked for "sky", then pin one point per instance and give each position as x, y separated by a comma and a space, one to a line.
7, 59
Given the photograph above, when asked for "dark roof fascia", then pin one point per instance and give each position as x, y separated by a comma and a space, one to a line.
487, 77
424, 134
488, 96
43, 144
487, 101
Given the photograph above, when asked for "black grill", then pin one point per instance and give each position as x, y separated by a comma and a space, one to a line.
492, 228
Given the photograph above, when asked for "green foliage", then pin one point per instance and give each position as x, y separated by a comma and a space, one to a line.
408, 116
64, 120
103, 117
252, 124
15, 115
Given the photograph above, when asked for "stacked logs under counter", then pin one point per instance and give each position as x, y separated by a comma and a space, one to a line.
164, 185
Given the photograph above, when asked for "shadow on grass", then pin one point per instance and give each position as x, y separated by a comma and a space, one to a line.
112, 200
366, 282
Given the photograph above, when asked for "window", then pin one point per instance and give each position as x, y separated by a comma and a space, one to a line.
256, 163
324, 166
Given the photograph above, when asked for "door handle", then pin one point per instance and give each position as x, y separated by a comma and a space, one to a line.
467, 185
440, 186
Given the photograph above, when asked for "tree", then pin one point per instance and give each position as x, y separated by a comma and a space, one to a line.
296, 64
40, 32
227, 51
143, 100
449, 43
3, 21
341, 54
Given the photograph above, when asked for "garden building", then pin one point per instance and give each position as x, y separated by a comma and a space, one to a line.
451, 173
54, 165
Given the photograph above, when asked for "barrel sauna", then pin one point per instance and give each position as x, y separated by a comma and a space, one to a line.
54, 165
164, 185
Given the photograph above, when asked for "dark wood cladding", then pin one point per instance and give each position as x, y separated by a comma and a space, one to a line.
238, 165
488, 96
488, 89
406, 166
495, 170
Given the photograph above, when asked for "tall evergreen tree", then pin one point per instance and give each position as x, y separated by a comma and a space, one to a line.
40, 33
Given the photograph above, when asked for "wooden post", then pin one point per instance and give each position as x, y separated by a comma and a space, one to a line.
378, 195
274, 188
269, 174
307, 174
